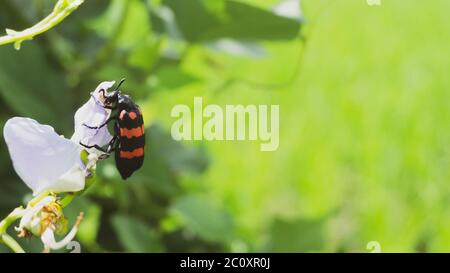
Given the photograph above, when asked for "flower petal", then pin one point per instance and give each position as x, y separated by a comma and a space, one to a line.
30, 211
48, 236
44, 160
93, 113
67, 182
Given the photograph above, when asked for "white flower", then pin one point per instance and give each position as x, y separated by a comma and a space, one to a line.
44, 219
44, 160
48, 236
29, 221
93, 114
48, 162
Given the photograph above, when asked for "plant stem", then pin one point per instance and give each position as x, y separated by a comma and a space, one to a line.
61, 10
4, 224
13, 216
11, 243
67, 199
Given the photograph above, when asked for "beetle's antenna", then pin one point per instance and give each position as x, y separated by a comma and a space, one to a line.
120, 83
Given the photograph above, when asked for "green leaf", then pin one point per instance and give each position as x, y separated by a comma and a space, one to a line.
172, 77
125, 21
238, 48
107, 23
200, 22
192, 18
204, 218
300, 235
136, 26
34, 88
247, 22
136, 235
145, 54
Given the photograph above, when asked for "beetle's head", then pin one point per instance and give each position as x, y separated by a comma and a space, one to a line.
112, 97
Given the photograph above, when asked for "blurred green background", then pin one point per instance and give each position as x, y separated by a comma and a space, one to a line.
364, 122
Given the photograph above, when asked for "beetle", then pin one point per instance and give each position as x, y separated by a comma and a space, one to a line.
128, 141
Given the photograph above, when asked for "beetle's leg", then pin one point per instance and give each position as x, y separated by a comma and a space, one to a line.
112, 145
103, 156
104, 124
94, 146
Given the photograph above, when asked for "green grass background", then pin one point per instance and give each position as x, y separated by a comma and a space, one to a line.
364, 129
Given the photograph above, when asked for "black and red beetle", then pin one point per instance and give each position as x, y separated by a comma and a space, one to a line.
128, 141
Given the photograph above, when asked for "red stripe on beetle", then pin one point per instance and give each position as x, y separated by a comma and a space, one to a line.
130, 133
139, 152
